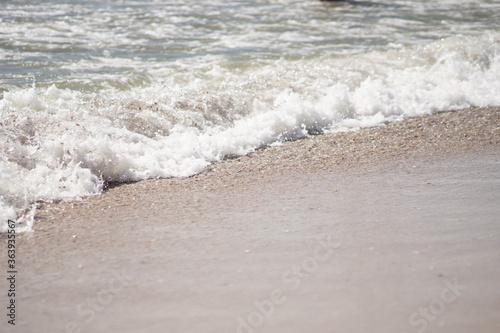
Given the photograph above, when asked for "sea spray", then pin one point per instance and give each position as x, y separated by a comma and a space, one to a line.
110, 117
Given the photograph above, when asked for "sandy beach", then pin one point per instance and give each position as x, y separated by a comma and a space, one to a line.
387, 229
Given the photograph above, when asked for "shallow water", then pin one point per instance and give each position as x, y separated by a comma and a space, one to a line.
98, 91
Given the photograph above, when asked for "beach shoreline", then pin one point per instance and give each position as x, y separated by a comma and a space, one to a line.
407, 210
446, 132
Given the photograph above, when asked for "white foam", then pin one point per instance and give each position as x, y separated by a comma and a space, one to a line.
60, 143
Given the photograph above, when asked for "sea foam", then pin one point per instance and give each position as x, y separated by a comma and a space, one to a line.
60, 143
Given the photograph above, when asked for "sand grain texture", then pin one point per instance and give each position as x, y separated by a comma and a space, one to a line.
404, 209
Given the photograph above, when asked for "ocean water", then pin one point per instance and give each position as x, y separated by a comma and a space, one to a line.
114, 91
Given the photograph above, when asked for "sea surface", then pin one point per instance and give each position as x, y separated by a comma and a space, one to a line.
114, 91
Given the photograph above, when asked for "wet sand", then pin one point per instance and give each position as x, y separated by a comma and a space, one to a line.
386, 229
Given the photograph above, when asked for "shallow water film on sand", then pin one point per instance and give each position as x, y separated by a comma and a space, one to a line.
99, 91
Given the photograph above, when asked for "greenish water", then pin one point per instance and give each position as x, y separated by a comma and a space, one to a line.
96, 91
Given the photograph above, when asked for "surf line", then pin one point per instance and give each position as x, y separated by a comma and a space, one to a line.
11, 271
